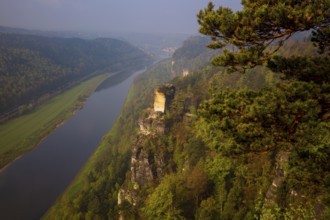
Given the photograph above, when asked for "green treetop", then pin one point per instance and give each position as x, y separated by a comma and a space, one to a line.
255, 33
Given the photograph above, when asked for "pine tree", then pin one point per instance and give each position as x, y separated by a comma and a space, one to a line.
257, 32
290, 118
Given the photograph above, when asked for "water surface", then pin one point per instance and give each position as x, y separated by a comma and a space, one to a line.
30, 185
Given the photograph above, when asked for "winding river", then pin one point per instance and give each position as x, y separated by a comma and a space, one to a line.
30, 185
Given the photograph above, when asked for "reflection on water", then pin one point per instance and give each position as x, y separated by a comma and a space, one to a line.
114, 80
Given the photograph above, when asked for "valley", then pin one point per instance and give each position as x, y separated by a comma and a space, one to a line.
158, 123
43, 174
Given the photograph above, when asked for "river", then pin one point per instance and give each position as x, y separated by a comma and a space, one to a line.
30, 185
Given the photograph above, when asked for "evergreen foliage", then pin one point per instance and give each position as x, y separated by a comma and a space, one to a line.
260, 29
321, 38
235, 122
270, 121
238, 136
309, 69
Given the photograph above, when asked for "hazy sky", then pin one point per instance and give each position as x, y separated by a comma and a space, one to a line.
159, 16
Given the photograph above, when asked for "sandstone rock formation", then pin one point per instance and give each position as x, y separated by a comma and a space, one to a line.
160, 100
163, 97
151, 123
141, 171
185, 72
147, 165
282, 159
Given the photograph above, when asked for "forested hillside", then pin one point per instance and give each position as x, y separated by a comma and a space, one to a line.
185, 151
247, 138
34, 67
94, 192
250, 145
192, 55
222, 156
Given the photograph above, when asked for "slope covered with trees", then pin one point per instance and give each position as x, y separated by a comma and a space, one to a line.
252, 153
258, 147
94, 192
34, 67
252, 144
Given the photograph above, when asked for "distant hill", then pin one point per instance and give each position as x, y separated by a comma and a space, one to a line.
33, 66
62, 34
158, 45
193, 55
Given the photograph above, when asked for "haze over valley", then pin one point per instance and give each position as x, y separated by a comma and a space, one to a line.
164, 109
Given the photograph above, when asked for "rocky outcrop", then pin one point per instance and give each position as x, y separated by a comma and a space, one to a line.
151, 123
160, 165
160, 101
185, 72
141, 170
126, 195
282, 159
147, 164
163, 97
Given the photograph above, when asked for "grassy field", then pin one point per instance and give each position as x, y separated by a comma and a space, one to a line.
21, 134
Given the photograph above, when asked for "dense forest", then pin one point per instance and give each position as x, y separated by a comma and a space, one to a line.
246, 153
246, 138
34, 67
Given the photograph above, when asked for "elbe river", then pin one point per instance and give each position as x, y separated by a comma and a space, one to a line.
30, 185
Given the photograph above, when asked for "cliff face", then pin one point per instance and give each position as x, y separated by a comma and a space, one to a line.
159, 104
163, 96
141, 163
147, 164
151, 123
185, 72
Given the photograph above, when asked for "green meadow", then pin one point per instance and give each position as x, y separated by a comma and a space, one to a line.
23, 133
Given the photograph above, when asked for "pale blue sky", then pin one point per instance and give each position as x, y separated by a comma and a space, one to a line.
151, 16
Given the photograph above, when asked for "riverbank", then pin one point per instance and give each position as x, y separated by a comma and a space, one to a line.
22, 134
105, 170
